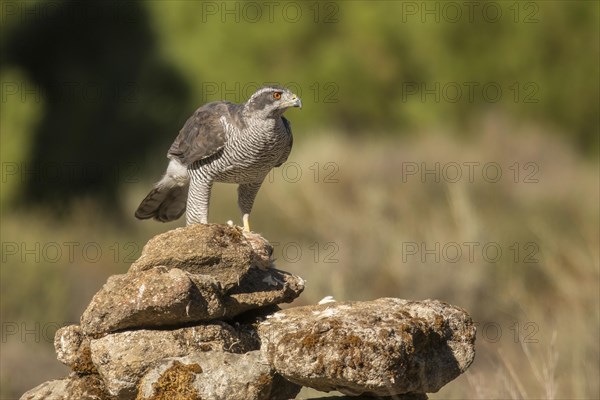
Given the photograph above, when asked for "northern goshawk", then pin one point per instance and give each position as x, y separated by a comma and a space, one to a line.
223, 142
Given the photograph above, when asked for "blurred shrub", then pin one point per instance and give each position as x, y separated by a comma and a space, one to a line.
21, 119
103, 94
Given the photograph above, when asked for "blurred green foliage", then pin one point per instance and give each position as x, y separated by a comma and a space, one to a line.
361, 67
20, 118
542, 55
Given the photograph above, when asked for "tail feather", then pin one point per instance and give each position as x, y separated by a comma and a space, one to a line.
163, 204
167, 201
174, 204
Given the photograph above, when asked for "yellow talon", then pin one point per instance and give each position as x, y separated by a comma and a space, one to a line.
246, 223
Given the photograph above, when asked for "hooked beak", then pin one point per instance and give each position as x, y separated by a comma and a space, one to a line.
295, 102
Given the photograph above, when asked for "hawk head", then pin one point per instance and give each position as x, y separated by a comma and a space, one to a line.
272, 101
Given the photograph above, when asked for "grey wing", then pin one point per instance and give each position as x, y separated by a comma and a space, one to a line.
203, 133
286, 154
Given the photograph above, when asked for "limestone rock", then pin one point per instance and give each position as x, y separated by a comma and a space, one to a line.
152, 298
73, 349
217, 250
182, 324
87, 387
263, 251
215, 375
382, 347
123, 358
161, 297
261, 288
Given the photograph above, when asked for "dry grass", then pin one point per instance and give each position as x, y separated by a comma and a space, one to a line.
538, 321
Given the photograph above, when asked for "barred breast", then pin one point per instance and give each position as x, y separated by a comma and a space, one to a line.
250, 154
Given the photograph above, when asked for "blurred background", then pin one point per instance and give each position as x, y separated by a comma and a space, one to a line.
445, 150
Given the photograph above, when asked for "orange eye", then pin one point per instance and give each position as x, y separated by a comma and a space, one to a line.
277, 95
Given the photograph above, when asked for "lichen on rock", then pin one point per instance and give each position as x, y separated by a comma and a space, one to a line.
197, 317
122, 358
216, 375
381, 347
175, 383
73, 349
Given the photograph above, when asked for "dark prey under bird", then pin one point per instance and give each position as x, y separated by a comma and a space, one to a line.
223, 142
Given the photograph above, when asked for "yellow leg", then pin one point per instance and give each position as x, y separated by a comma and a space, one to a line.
246, 222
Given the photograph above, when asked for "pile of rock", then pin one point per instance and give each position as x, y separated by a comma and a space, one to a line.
196, 317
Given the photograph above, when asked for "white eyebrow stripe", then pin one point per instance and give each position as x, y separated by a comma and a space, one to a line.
263, 90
